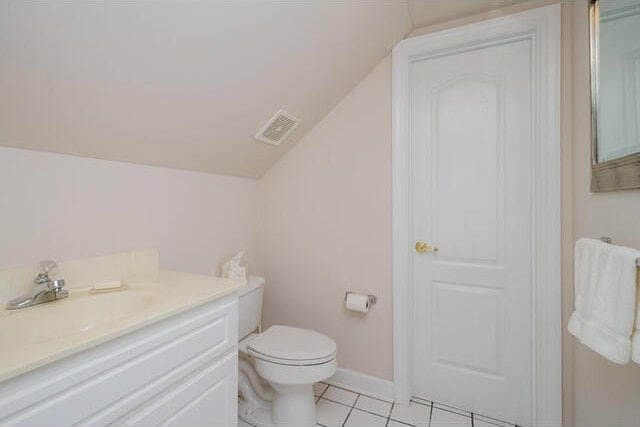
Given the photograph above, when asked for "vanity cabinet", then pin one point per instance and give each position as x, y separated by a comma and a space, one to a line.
179, 371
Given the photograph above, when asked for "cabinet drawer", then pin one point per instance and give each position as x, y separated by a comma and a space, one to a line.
208, 397
104, 382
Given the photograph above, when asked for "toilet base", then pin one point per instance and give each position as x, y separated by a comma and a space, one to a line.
291, 406
259, 417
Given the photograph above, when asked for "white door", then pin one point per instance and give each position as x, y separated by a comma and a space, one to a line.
471, 162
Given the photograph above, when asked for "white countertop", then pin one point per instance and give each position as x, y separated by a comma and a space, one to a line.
39, 335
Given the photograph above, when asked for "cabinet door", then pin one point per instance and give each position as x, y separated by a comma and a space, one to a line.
110, 381
206, 398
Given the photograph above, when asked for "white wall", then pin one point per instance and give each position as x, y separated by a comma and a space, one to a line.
325, 227
606, 394
325, 224
63, 207
325, 218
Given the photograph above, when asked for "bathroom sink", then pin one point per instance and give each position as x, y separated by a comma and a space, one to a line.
82, 311
45, 333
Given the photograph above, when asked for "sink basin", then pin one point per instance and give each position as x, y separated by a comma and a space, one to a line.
80, 312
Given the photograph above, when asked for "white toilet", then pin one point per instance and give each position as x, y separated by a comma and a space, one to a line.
277, 368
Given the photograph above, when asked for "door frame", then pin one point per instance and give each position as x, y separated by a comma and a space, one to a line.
542, 27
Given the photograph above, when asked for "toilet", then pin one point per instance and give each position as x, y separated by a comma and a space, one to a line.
277, 367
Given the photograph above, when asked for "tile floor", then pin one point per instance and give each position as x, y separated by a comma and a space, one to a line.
339, 407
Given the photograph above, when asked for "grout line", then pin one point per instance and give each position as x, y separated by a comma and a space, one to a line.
430, 405
343, 388
423, 403
401, 422
416, 400
390, 412
351, 410
462, 412
358, 392
369, 412
451, 408
324, 391
495, 421
339, 403
375, 398
467, 414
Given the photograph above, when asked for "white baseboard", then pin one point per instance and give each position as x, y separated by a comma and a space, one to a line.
362, 383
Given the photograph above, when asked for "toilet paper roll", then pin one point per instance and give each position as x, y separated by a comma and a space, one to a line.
357, 302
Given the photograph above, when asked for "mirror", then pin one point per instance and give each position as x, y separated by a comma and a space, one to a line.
615, 94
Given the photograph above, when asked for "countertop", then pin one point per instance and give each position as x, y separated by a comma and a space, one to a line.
39, 335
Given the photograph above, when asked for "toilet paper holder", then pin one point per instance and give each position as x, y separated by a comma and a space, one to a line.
372, 298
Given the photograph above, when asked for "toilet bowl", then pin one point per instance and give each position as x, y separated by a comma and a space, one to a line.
277, 368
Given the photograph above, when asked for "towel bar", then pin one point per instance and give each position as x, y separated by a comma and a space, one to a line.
610, 241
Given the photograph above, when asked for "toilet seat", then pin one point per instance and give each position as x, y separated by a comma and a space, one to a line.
285, 345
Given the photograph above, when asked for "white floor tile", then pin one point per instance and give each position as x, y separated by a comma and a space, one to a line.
331, 414
364, 419
480, 423
421, 400
451, 409
479, 420
334, 409
319, 388
376, 406
413, 413
442, 418
341, 396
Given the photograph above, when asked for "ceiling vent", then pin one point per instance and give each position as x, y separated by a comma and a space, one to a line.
278, 128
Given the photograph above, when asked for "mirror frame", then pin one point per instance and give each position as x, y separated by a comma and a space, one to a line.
618, 174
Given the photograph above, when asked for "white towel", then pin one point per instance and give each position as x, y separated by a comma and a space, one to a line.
605, 298
635, 339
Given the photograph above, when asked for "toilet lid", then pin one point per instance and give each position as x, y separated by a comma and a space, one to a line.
290, 344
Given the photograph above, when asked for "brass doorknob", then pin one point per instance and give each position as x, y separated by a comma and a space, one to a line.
422, 247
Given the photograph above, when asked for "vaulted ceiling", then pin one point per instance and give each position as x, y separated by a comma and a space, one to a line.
187, 84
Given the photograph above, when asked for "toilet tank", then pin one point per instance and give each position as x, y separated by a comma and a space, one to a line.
250, 306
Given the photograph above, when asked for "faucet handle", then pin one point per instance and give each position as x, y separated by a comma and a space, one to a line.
47, 267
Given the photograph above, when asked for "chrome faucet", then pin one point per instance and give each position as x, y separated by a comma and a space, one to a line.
46, 289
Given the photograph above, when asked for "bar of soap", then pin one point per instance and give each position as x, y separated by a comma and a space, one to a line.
107, 286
